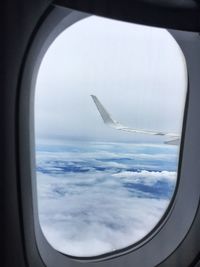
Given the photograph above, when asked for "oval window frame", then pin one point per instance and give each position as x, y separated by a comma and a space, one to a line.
58, 20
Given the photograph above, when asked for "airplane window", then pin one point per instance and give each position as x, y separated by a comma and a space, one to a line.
109, 106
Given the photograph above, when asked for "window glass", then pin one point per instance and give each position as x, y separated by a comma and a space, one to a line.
109, 107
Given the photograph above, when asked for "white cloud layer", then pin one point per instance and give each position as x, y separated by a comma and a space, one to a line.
90, 203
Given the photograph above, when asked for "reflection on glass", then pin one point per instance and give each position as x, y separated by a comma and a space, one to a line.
109, 108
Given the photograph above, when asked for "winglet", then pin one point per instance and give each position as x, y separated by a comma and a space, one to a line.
103, 112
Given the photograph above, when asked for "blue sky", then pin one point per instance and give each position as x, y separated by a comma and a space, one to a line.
138, 73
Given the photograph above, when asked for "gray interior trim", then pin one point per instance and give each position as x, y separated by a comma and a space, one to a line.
176, 223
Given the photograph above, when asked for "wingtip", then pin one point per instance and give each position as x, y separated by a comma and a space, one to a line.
94, 98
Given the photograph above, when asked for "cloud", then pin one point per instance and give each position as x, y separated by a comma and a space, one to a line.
90, 202
146, 177
102, 214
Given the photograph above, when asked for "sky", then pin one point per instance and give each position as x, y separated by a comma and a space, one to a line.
137, 72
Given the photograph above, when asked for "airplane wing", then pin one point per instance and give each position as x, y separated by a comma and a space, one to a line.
108, 120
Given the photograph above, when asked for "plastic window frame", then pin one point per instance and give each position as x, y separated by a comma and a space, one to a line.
166, 237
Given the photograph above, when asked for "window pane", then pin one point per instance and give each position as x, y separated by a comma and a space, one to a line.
109, 107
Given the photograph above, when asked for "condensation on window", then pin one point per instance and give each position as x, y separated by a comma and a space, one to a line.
109, 106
